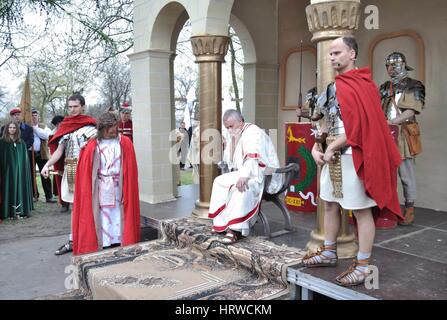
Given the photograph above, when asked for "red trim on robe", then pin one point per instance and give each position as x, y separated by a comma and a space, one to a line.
215, 214
238, 220
252, 156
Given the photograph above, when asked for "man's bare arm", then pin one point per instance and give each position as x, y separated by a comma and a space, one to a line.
54, 158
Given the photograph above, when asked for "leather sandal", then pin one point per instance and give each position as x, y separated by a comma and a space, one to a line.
408, 217
68, 247
231, 237
318, 259
353, 276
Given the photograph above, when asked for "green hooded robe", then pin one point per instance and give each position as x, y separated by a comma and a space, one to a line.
16, 190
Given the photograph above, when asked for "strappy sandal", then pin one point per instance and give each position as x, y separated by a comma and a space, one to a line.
353, 276
408, 217
318, 259
68, 247
231, 237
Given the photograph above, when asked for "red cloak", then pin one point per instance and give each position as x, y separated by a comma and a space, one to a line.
375, 154
69, 124
126, 129
83, 223
57, 179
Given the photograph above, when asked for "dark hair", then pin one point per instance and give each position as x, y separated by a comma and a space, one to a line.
56, 120
6, 136
105, 120
352, 44
77, 96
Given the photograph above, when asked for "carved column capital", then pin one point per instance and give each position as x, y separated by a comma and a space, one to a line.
333, 19
210, 48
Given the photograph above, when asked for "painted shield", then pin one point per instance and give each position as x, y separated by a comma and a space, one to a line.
302, 193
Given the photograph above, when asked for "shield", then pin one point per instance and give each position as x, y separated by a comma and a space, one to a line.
302, 193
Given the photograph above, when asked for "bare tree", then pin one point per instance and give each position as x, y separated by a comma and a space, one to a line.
235, 51
52, 82
115, 88
17, 34
2, 102
98, 30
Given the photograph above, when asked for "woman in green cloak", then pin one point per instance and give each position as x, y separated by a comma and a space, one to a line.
16, 191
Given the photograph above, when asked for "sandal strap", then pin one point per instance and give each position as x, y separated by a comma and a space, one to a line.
319, 252
352, 275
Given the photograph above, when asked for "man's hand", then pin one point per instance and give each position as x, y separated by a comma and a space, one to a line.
303, 113
44, 171
317, 155
242, 184
329, 156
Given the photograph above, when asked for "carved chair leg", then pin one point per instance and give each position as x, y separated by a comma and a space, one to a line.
265, 224
285, 213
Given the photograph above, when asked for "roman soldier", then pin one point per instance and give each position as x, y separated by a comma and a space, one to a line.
125, 126
402, 99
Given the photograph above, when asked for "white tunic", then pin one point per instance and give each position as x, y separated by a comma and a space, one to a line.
109, 151
354, 195
73, 142
249, 157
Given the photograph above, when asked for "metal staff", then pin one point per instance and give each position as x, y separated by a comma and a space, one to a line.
300, 96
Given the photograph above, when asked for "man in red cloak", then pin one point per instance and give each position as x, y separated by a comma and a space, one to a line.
106, 209
360, 162
73, 133
125, 126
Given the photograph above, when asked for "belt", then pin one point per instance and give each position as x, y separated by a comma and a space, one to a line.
115, 177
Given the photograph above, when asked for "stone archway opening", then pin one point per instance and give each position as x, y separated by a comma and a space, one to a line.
186, 86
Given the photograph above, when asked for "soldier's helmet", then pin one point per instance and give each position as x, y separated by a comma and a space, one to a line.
396, 58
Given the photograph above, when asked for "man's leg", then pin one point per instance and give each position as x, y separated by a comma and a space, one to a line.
332, 219
358, 271
32, 173
408, 179
327, 254
46, 183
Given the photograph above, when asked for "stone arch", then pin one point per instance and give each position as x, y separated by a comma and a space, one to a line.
249, 49
152, 92
165, 23
248, 45
156, 28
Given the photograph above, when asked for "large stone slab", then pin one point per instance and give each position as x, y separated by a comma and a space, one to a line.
188, 263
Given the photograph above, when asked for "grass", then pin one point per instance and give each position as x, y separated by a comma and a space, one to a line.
186, 177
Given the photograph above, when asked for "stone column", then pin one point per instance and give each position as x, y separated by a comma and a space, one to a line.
210, 52
327, 21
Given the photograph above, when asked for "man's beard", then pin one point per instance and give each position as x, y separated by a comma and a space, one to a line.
235, 132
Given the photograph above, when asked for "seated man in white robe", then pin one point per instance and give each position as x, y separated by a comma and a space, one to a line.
237, 195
